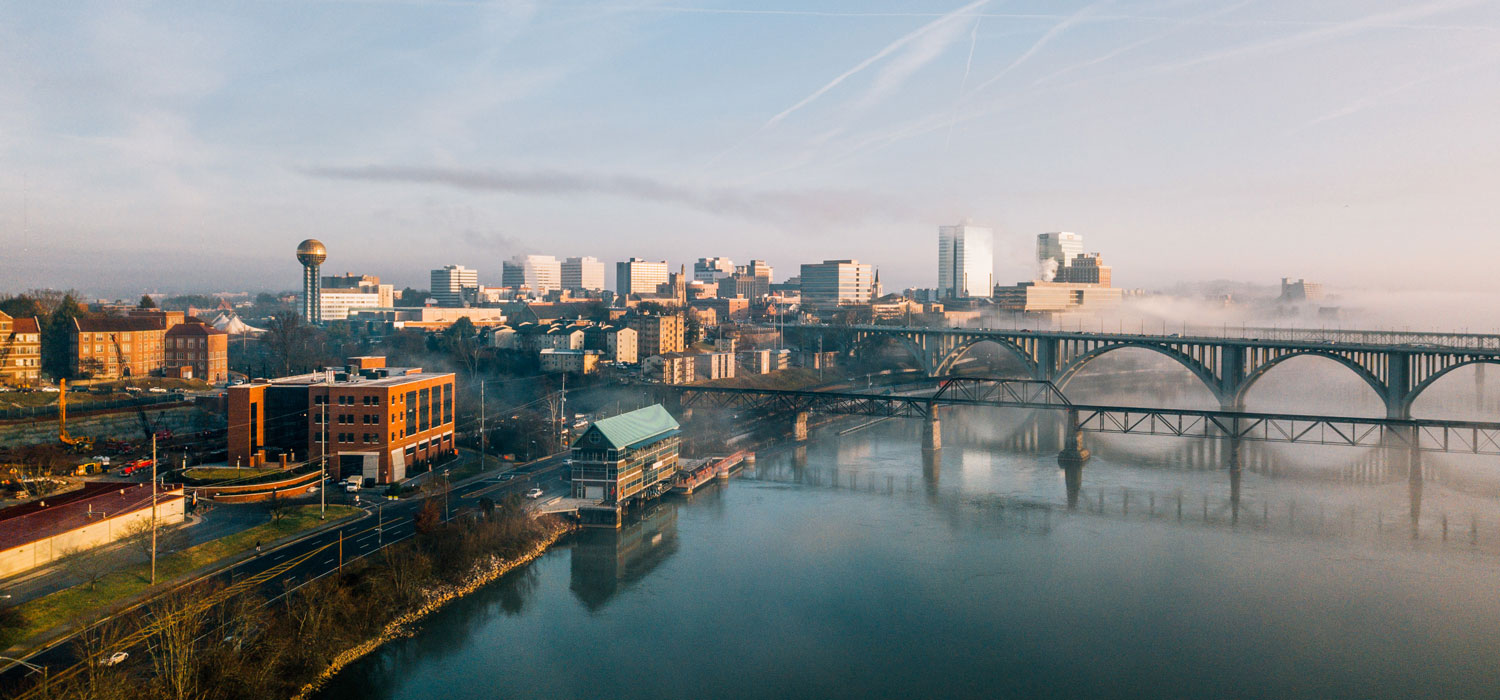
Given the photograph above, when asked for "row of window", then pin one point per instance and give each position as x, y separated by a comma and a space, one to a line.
347, 400
348, 419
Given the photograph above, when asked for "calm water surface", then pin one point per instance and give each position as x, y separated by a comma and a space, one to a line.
851, 569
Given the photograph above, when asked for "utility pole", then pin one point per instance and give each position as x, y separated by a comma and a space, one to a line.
482, 444
323, 461
562, 410
153, 509
341, 549
379, 527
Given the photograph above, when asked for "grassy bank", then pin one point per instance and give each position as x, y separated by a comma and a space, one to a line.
218, 643
66, 606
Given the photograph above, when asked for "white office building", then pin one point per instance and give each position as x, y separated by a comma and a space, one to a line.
1060, 246
334, 304
583, 274
637, 276
452, 285
712, 269
538, 273
966, 261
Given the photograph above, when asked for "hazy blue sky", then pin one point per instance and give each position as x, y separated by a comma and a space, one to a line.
191, 145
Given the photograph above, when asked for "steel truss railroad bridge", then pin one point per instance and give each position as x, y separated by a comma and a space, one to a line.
1397, 366
1414, 435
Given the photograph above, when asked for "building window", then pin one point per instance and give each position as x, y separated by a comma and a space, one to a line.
447, 403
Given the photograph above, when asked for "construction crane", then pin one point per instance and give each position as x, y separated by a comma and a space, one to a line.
82, 443
124, 371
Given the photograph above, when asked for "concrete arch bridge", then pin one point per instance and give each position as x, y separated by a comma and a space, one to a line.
1397, 372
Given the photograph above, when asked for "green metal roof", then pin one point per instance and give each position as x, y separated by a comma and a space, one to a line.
628, 429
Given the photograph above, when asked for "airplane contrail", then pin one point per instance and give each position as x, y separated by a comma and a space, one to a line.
1053, 33
890, 48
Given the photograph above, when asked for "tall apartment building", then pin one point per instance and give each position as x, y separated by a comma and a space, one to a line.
711, 269
834, 283
1060, 247
966, 261
583, 274
383, 423
20, 350
1300, 290
453, 285
114, 347
538, 273
200, 346
657, 335
637, 276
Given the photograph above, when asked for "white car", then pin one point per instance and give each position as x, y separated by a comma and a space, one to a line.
114, 658
157, 390
534, 493
351, 487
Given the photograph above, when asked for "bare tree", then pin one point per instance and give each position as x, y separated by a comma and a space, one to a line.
94, 642
278, 507
174, 625
138, 537
85, 564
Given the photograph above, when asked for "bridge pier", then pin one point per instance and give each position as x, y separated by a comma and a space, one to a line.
1073, 454
932, 433
799, 426
932, 468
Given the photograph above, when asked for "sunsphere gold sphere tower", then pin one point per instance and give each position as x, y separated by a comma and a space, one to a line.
311, 254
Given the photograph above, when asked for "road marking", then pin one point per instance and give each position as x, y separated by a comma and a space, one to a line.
278, 557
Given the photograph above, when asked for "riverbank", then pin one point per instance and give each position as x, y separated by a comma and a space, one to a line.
487, 572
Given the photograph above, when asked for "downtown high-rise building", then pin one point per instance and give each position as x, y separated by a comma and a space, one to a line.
637, 276
1060, 247
583, 274
756, 268
538, 273
712, 269
453, 285
966, 261
833, 283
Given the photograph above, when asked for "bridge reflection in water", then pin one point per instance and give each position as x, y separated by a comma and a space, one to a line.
1229, 506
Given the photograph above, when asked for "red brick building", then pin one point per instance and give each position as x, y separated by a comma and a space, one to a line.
201, 347
113, 347
20, 350
384, 423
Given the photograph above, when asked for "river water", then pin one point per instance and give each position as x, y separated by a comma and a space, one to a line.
857, 567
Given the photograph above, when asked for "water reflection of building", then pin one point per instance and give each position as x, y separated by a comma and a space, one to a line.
604, 561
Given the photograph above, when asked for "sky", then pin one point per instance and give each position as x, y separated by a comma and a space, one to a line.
189, 146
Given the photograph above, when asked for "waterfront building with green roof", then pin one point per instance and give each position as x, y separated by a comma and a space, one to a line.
632, 456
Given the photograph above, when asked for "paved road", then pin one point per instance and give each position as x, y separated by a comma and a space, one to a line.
275, 572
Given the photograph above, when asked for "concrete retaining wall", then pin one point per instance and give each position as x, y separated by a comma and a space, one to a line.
120, 424
255, 493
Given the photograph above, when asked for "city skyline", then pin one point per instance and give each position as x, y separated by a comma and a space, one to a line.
1195, 143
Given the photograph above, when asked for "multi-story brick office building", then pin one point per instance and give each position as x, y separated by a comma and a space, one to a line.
384, 423
114, 347
20, 350
201, 347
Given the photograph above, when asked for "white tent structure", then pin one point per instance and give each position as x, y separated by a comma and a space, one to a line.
230, 323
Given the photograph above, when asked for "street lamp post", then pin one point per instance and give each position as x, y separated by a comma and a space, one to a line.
446, 487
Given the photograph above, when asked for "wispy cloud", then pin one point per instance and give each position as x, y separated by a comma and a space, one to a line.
1041, 42
1327, 32
1383, 96
773, 206
872, 60
1185, 23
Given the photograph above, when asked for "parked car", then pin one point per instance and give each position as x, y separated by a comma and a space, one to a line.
114, 658
351, 486
157, 390
534, 493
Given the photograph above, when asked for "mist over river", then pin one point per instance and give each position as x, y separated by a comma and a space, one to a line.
858, 567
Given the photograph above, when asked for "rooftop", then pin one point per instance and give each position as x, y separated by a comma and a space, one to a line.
120, 324
641, 425
51, 516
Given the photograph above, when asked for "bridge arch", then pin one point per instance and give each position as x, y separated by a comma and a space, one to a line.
868, 345
1256, 373
1416, 391
1071, 369
946, 364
